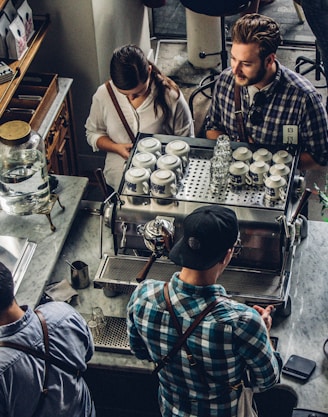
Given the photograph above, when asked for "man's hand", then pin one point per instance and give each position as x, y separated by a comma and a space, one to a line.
265, 314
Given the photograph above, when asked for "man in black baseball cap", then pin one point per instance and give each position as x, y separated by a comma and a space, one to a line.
209, 231
202, 379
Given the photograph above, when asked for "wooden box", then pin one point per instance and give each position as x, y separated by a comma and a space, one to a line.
32, 99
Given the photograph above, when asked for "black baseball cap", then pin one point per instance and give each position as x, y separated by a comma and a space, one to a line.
208, 232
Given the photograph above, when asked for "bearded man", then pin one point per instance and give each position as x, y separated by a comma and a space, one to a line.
277, 105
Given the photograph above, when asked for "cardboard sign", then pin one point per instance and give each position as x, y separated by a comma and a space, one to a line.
16, 39
10, 11
25, 13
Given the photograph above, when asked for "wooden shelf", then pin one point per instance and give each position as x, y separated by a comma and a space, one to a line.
20, 67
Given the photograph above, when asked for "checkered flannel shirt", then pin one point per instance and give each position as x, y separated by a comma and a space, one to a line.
290, 100
231, 336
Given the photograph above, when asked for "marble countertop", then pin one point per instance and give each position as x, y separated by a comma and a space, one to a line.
302, 333
36, 228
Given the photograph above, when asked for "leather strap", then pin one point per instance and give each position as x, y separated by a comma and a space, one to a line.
119, 111
239, 115
181, 342
44, 392
45, 356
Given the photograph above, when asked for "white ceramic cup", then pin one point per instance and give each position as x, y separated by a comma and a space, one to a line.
275, 188
242, 153
163, 183
171, 162
150, 144
137, 180
144, 160
179, 148
282, 157
280, 169
262, 154
239, 174
258, 171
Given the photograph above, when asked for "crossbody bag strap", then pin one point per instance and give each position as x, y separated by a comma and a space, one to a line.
45, 356
181, 342
119, 111
239, 115
46, 349
44, 392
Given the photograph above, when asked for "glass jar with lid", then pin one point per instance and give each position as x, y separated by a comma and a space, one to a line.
24, 182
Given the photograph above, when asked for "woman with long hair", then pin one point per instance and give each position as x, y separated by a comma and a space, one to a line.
150, 101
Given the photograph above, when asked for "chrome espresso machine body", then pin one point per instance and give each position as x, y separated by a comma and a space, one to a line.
144, 228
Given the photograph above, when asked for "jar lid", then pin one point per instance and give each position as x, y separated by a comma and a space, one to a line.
15, 132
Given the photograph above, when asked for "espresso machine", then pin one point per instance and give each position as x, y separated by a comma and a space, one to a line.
145, 228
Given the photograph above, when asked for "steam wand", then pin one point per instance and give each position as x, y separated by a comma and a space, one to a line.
323, 198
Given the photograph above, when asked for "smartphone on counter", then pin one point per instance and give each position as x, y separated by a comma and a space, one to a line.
299, 367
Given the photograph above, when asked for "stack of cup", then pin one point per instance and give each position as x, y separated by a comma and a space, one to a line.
150, 144
163, 185
173, 163
220, 163
137, 184
180, 148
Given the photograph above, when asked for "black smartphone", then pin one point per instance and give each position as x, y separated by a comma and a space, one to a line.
299, 367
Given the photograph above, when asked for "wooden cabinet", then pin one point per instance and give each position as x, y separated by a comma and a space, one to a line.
60, 140
55, 122
20, 67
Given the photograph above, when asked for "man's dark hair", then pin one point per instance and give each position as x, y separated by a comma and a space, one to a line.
6, 287
259, 29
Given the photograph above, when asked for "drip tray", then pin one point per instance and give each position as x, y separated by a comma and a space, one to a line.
112, 336
118, 273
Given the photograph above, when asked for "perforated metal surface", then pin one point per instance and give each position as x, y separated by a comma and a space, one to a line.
112, 336
195, 186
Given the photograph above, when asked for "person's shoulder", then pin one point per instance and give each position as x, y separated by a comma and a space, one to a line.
296, 80
149, 288
240, 312
57, 309
225, 75
102, 89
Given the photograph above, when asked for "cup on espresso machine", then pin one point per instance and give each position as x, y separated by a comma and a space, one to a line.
163, 184
171, 162
179, 148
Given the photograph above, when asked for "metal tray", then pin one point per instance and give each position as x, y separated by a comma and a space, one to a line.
112, 336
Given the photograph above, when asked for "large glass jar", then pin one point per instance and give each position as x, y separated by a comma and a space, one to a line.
24, 183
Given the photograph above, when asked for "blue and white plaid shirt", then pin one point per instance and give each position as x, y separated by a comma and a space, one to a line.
230, 337
291, 100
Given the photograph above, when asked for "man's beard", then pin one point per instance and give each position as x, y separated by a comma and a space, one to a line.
243, 81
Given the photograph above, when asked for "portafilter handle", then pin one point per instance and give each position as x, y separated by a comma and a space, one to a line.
144, 271
304, 198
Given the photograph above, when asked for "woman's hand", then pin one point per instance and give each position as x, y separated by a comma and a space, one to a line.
105, 143
123, 149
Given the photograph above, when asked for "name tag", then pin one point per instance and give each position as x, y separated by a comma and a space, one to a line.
290, 134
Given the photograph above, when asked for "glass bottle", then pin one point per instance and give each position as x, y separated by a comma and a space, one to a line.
24, 183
